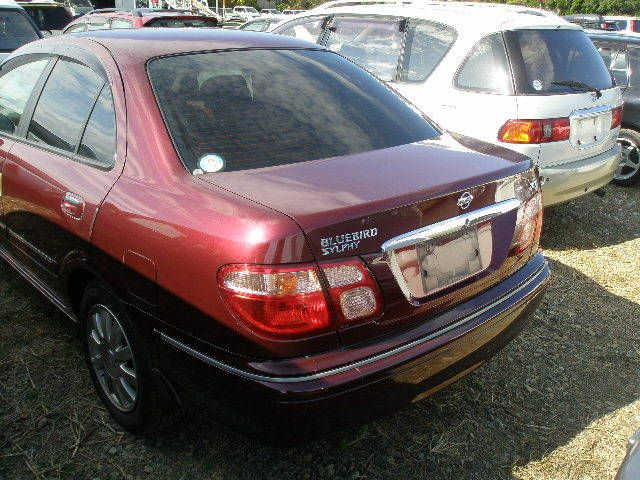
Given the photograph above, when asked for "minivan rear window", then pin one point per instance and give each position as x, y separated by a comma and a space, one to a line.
261, 108
541, 57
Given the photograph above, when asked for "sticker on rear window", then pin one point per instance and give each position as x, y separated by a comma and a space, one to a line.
537, 85
209, 164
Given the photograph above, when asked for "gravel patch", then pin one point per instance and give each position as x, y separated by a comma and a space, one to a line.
558, 403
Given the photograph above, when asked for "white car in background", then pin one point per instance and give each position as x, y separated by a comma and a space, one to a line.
517, 77
245, 13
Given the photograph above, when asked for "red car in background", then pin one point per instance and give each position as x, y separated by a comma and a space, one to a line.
110, 18
255, 221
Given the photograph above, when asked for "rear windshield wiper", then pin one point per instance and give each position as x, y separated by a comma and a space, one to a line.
578, 86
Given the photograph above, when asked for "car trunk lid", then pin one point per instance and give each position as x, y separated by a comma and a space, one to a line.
350, 206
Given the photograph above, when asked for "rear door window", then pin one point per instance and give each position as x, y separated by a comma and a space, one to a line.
541, 57
486, 68
98, 23
16, 87
426, 45
238, 107
78, 27
64, 105
615, 58
374, 43
308, 29
16, 30
121, 23
634, 66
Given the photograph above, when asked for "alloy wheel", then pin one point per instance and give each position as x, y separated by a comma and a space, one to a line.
629, 159
111, 358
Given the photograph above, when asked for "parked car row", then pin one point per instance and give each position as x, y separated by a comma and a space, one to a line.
257, 221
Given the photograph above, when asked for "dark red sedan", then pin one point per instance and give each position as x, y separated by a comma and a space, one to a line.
258, 221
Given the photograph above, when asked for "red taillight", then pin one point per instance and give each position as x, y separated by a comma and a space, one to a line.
616, 117
535, 131
289, 301
277, 301
529, 215
354, 292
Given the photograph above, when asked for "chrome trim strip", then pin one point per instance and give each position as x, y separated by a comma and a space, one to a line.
450, 225
344, 368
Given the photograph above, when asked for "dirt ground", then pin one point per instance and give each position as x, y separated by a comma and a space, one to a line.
558, 403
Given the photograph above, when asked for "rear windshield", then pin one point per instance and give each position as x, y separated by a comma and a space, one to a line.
15, 30
260, 108
182, 22
50, 18
541, 57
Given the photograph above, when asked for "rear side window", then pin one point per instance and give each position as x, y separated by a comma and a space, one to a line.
182, 22
486, 68
373, 43
78, 27
50, 17
426, 45
257, 26
64, 105
99, 139
121, 23
15, 30
615, 58
239, 107
308, 29
541, 57
15, 89
98, 23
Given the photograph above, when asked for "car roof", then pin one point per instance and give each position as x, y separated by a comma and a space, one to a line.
614, 37
146, 43
464, 16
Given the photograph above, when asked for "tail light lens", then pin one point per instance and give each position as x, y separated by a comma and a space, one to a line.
289, 301
616, 117
535, 131
529, 215
282, 301
354, 292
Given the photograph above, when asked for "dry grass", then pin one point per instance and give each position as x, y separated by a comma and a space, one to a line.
558, 403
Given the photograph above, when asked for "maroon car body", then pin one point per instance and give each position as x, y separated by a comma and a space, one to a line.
161, 241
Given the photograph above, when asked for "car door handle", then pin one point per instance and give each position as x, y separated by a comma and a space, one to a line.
72, 205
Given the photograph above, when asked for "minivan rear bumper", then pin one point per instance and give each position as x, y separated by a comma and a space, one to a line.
314, 402
571, 180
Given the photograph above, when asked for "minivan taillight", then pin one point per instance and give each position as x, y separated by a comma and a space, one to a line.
529, 215
288, 301
535, 131
616, 117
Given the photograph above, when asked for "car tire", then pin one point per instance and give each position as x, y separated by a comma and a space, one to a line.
628, 171
119, 364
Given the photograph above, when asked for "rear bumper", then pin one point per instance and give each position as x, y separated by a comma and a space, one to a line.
417, 366
571, 180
